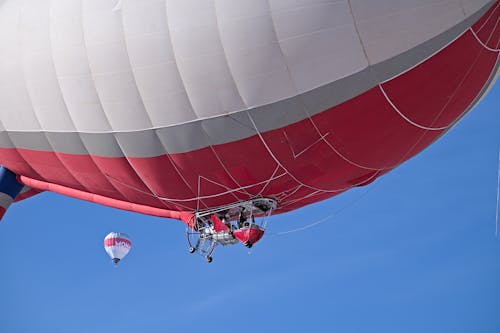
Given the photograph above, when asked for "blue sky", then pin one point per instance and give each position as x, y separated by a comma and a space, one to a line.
413, 252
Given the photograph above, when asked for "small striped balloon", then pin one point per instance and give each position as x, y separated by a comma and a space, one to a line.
117, 246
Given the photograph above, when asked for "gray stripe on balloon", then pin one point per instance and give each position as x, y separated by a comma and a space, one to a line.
236, 126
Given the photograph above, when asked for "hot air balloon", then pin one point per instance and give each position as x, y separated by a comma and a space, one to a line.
224, 110
117, 246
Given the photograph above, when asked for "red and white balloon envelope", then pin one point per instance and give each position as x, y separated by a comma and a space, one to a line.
117, 246
247, 123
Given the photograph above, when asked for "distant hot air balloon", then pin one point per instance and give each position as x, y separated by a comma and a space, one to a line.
117, 246
184, 109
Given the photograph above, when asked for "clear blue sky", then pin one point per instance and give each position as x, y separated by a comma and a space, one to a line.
416, 253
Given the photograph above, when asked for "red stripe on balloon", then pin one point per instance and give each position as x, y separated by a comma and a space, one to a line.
115, 241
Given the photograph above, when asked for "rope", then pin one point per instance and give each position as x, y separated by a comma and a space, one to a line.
482, 43
426, 128
328, 217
